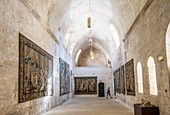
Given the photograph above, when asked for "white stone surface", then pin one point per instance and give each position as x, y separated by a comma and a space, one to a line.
103, 74
14, 18
91, 105
147, 38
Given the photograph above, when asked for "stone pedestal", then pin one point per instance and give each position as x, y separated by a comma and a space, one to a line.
138, 110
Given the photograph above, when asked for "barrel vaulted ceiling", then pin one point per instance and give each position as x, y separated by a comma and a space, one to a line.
111, 19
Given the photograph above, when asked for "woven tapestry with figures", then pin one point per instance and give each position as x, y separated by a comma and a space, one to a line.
117, 79
64, 77
130, 78
122, 79
35, 71
85, 85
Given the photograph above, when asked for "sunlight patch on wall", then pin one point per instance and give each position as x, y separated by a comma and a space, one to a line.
67, 39
78, 54
115, 35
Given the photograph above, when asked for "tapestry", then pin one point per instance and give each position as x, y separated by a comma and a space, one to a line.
85, 85
117, 80
35, 71
64, 77
130, 78
122, 80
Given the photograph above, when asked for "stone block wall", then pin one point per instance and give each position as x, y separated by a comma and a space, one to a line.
84, 59
148, 38
104, 74
16, 18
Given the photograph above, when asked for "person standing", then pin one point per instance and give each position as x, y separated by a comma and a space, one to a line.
108, 93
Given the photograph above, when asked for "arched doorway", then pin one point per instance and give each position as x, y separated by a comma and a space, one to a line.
101, 89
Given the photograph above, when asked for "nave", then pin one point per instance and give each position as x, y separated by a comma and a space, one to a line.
91, 105
52, 50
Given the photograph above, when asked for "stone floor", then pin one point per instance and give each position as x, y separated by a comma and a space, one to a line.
90, 105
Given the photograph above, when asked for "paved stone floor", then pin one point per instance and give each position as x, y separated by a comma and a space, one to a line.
90, 105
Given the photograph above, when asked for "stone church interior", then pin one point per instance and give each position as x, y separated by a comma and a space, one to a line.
58, 57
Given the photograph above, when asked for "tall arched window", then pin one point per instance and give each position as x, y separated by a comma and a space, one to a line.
168, 46
140, 79
152, 76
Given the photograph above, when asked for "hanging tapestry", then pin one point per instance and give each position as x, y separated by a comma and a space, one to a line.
35, 71
85, 85
122, 80
117, 80
130, 78
64, 77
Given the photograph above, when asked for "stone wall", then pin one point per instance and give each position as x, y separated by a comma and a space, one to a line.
16, 18
148, 38
85, 59
104, 74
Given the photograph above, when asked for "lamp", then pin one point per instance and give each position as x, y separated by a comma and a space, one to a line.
89, 18
89, 22
90, 40
160, 58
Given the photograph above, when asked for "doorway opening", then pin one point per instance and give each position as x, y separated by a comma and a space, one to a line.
101, 89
